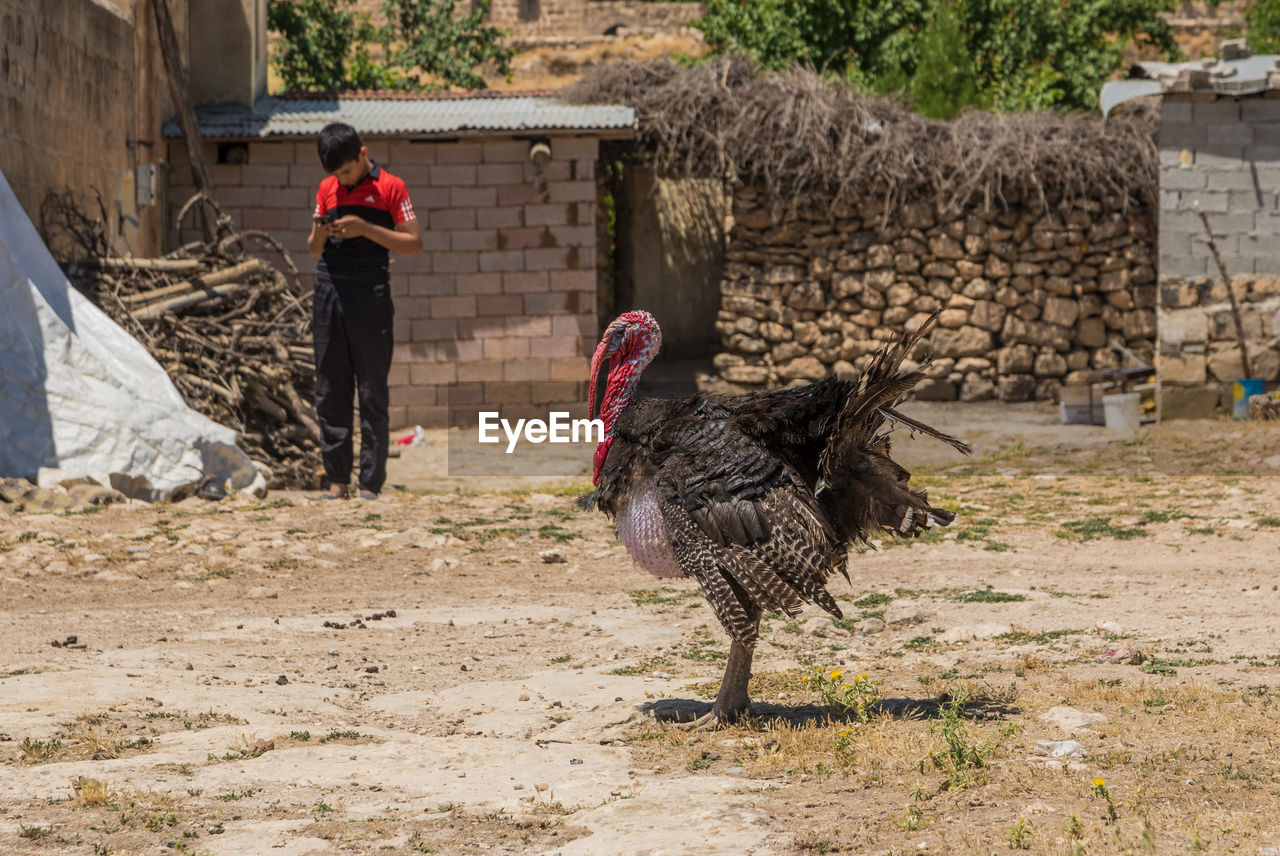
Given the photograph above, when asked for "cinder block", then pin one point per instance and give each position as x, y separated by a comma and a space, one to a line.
551, 303
508, 396
530, 369
584, 170
553, 258
473, 197
234, 196
496, 174
453, 175
502, 260
479, 328
460, 349
1183, 179
267, 175
445, 219
1229, 134
474, 239
401, 330
506, 151
456, 261
479, 372
414, 176
379, 150
574, 236
307, 175
399, 285
527, 326
554, 346
501, 217
269, 219
1175, 111
1259, 110
225, 174
569, 368
480, 283
523, 239
574, 326
1183, 266
520, 281
414, 307
518, 194
575, 280
505, 348
453, 307
1180, 135
500, 305
431, 373
296, 198
404, 152
398, 414
1266, 151
1219, 157
465, 152
575, 148
546, 215
586, 214
572, 191
433, 329
273, 153
1220, 112
428, 416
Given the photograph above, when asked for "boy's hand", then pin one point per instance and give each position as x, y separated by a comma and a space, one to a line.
349, 226
323, 226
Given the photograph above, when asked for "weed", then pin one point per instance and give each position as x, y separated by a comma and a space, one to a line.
988, 596
1100, 790
1020, 835
34, 833
1099, 527
855, 697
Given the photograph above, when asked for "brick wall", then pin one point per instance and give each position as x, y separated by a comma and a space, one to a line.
593, 17
1224, 155
500, 307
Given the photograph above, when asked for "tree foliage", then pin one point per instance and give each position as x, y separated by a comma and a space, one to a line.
425, 44
944, 55
1263, 20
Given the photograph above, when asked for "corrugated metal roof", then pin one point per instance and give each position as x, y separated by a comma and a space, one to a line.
1245, 76
399, 113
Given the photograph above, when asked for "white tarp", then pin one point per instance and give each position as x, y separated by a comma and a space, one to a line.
79, 394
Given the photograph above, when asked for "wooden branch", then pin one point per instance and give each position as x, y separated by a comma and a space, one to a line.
1231, 294
163, 265
217, 277
183, 301
180, 92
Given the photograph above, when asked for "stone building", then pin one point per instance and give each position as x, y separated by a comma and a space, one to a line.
577, 18
502, 305
1219, 152
83, 93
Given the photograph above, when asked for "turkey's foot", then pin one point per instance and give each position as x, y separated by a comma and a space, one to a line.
732, 702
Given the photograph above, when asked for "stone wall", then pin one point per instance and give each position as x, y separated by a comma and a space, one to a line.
569, 18
1028, 296
1222, 154
500, 307
82, 96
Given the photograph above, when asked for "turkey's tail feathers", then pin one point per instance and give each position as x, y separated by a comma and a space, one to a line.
863, 489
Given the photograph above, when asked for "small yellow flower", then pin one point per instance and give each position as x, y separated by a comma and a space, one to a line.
1099, 782
835, 674
805, 679
846, 688
860, 678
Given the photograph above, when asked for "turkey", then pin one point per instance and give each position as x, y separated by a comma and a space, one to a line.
756, 496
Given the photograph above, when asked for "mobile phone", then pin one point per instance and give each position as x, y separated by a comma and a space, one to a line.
325, 218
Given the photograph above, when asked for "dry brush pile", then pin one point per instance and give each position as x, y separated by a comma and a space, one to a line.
232, 331
854, 217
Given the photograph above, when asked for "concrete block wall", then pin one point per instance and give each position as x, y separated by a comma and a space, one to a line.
500, 308
1223, 154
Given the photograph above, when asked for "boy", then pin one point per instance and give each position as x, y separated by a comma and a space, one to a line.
362, 212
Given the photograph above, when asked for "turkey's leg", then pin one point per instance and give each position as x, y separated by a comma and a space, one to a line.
732, 703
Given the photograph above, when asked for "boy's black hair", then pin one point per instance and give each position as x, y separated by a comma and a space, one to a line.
338, 144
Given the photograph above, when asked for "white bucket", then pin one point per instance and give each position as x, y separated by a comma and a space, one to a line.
1123, 411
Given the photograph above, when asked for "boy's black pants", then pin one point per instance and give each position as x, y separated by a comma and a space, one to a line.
353, 338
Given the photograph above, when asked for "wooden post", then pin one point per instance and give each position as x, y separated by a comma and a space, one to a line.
1231, 294
180, 92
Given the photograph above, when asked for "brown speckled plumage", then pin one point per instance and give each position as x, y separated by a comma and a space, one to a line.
761, 495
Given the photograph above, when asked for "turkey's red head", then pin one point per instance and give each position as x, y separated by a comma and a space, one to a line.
631, 341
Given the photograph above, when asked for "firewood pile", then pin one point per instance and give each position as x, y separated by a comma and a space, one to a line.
232, 331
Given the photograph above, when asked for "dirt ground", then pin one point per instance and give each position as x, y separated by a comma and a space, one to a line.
470, 666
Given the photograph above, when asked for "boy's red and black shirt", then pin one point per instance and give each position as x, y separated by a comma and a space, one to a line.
379, 197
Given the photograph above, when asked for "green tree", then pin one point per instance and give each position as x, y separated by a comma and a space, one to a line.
326, 47
1263, 21
437, 46
1018, 54
323, 46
